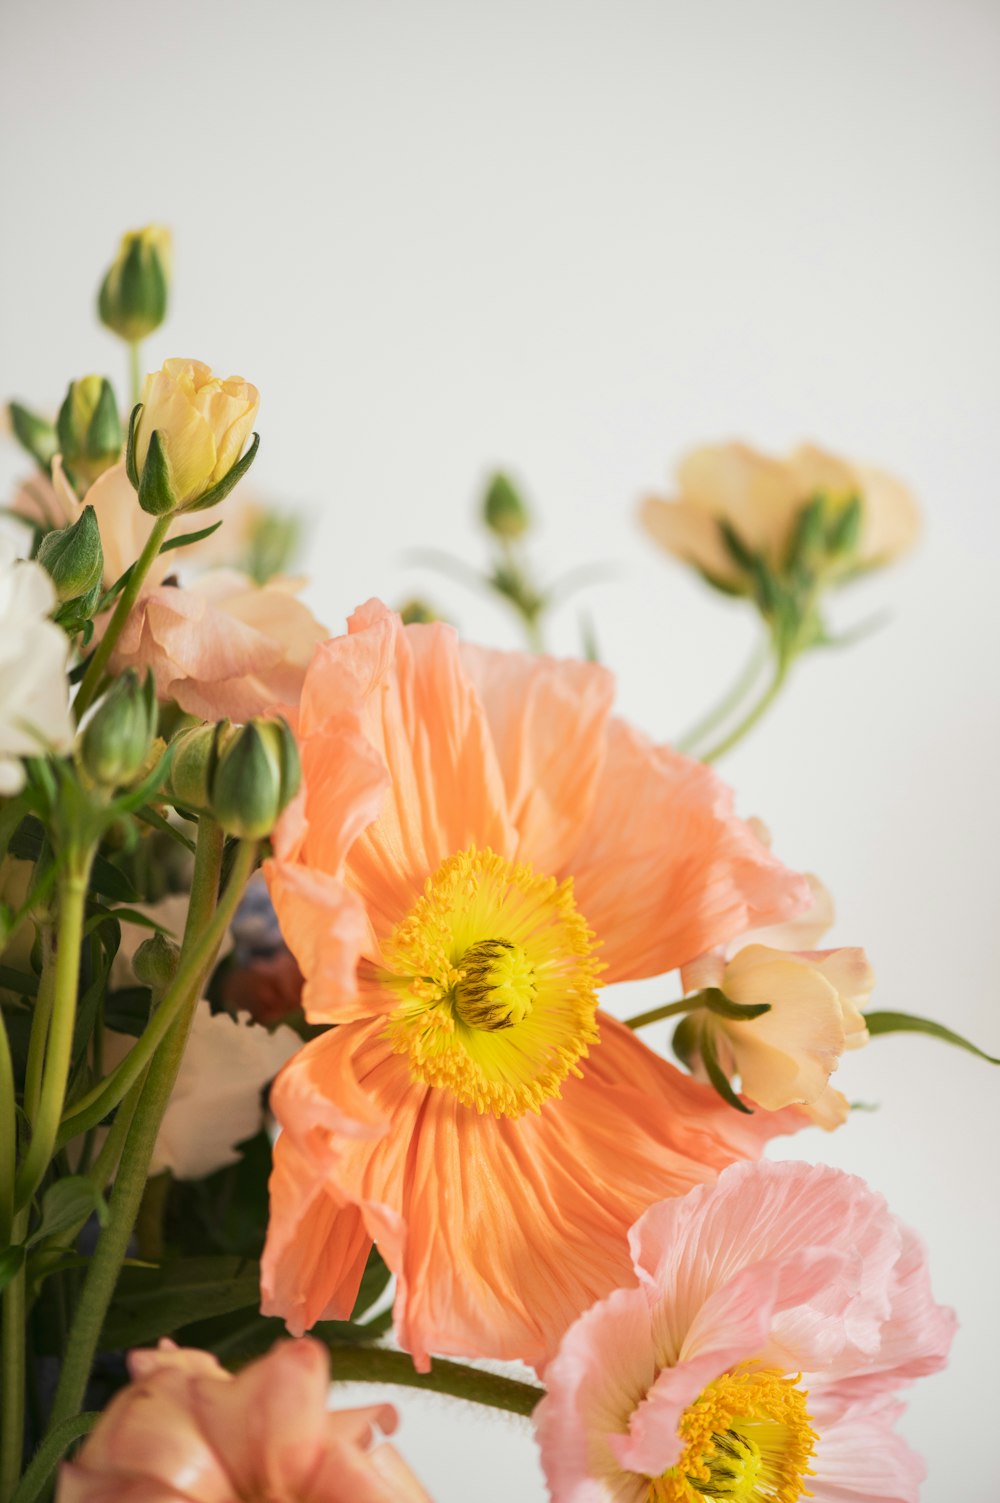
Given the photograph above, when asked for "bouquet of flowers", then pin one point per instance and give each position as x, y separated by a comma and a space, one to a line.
303, 1074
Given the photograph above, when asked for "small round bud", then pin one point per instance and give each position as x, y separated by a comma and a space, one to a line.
89, 429
258, 774
116, 738
195, 758
504, 510
73, 556
417, 613
133, 296
155, 962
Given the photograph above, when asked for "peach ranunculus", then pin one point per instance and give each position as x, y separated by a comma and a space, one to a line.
778, 1313
786, 1055
761, 499
187, 1431
222, 646
477, 847
203, 423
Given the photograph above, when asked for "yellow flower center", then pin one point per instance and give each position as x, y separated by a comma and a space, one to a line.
497, 983
748, 1440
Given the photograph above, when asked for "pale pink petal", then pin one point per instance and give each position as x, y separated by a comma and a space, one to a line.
860, 1458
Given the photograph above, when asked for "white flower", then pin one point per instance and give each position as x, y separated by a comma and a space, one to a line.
34, 652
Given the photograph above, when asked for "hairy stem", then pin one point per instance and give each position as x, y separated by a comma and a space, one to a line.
377, 1365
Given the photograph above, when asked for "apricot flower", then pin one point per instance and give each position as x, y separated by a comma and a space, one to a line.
761, 498
477, 847
186, 1431
222, 646
778, 1312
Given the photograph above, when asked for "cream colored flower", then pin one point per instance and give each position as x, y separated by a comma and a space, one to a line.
34, 654
760, 498
203, 423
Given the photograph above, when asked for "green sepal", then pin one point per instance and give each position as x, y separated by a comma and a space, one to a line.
738, 1012
130, 468
808, 540
11, 1262
718, 1076
156, 493
36, 435
185, 539
845, 530
904, 1022
742, 556
104, 434
232, 477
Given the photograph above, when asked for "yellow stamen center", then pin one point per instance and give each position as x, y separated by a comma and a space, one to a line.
497, 983
748, 1440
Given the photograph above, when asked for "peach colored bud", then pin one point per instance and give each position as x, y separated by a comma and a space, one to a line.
203, 423
184, 1423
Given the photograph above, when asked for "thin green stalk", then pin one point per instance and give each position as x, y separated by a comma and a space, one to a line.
749, 720
50, 1453
126, 600
669, 1010
130, 1181
135, 370
40, 1026
12, 1372
45, 1121
728, 704
8, 1138
377, 1365
106, 1095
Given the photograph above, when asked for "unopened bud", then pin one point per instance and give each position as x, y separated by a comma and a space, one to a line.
258, 774
73, 556
133, 296
155, 963
89, 429
36, 435
116, 738
195, 758
504, 510
417, 613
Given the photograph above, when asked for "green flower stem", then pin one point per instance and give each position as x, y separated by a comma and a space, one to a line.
669, 1010
8, 1138
729, 703
12, 1372
755, 714
40, 1026
126, 600
69, 939
50, 1453
198, 951
135, 370
130, 1181
377, 1365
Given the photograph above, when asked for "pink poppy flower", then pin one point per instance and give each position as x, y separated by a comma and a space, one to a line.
478, 845
778, 1313
187, 1431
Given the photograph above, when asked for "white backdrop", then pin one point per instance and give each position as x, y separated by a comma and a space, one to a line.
576, 239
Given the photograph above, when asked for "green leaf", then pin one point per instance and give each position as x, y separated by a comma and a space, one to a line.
185, 539
717, 1075
904, 1022
11, 1260
738, 1012
150, 1303
67, 1203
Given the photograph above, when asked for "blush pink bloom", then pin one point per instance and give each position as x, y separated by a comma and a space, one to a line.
478, 845
186, 1431
223, 646
778, 1312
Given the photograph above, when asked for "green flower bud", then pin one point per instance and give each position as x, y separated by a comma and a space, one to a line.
116, 738
195, 758
417, 613
133, 296
504, 510
155, 963
74, 556
35, 434
257, 775
89, 429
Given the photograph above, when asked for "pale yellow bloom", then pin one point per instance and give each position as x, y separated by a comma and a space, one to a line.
760, 497
203, 423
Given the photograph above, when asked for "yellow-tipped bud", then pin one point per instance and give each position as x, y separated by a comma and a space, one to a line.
504, 510
187, 435
89, 430
133, 296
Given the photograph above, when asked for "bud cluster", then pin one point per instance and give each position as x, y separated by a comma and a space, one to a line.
242, 775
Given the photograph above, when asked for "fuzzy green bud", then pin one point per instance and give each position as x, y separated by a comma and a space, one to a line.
36, 435
155, 963
196, 753
116, 738
89, 429
504, 509
133, 296
258, 774
74, 556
